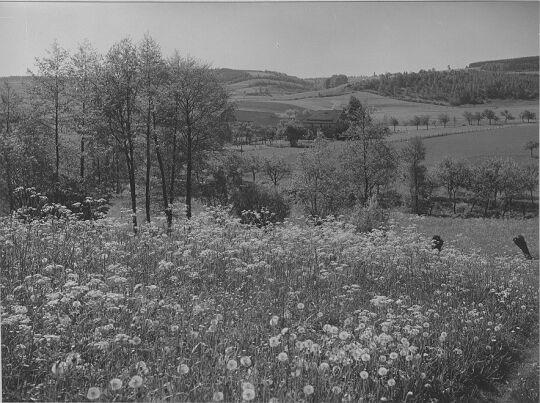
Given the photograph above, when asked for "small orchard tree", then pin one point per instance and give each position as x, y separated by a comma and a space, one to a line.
507, 116
531, 146
414, 172
276, 169
425, 119
469, 117
416, 121
478, 117
253, 164
444, 119
453, 175
489, 115
394, 122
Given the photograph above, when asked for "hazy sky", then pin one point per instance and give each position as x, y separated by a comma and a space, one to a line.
303, 39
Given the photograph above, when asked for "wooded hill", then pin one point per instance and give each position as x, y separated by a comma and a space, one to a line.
517, 64
463, 86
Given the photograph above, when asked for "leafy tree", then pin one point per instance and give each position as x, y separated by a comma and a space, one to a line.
318, 184
453, 175
489, 115
394, 122
531, 146
444, 119
152, 75
253, 164
119, 91
528, 115
424, 120
469, 117
416, 121
507, 116
368, 160
415, 173
83, 78
50, 85
529, 178
276, 169
203, 110
478, 117
292, 132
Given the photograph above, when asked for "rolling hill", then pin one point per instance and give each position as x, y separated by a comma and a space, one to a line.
520, 64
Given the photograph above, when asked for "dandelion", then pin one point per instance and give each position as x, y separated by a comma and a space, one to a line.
115, 384
391, 382
141, 367
274, 341
364, 375
393, 355
183, 369
324, 366
300, 306
135, 341
344, 335
93, 393
273, 400
59, 368
245, 361
135, 382
274, 321
282, 356
174, 328
366, 357
336, 390
232, 365
248, 394
308, 390
382, 371
218, 396
248, 385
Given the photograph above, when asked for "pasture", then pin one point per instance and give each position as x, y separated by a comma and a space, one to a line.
506, 142
220, 311
382, 107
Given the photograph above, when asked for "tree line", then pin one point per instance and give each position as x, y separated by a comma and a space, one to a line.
129, 110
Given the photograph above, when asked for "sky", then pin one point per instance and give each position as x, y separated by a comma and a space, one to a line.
305, 39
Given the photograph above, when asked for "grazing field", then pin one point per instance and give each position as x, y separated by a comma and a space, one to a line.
506, 142
383, 107
220, 311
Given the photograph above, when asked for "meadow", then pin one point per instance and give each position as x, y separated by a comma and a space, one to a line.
216, 311
505, 142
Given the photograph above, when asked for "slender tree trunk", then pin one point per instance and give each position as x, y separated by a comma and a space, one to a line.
189, 169
56, 140
131, 170
117, 170
167, 209
173, 168
487, 208
82, 140
148, 167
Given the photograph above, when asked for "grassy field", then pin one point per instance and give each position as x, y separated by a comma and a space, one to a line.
219, 311
383, 107
505, 142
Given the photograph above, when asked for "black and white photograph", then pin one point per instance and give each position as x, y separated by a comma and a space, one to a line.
269, 201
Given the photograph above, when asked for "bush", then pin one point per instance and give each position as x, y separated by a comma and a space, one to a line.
369, 217
258, 205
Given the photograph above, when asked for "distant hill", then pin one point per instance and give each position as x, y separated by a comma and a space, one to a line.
454, 87
261, 83
519, 64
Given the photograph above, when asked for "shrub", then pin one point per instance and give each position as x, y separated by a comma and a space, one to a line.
258, 205
368, 217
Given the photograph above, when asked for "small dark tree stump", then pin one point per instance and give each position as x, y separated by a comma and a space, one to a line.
437, 242
521, 244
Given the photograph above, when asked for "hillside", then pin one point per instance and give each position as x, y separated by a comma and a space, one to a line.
520, 64
260, 83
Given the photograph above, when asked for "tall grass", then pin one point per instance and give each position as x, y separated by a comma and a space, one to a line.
221, 311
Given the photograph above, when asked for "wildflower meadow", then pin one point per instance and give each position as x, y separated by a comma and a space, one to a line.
216, 310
